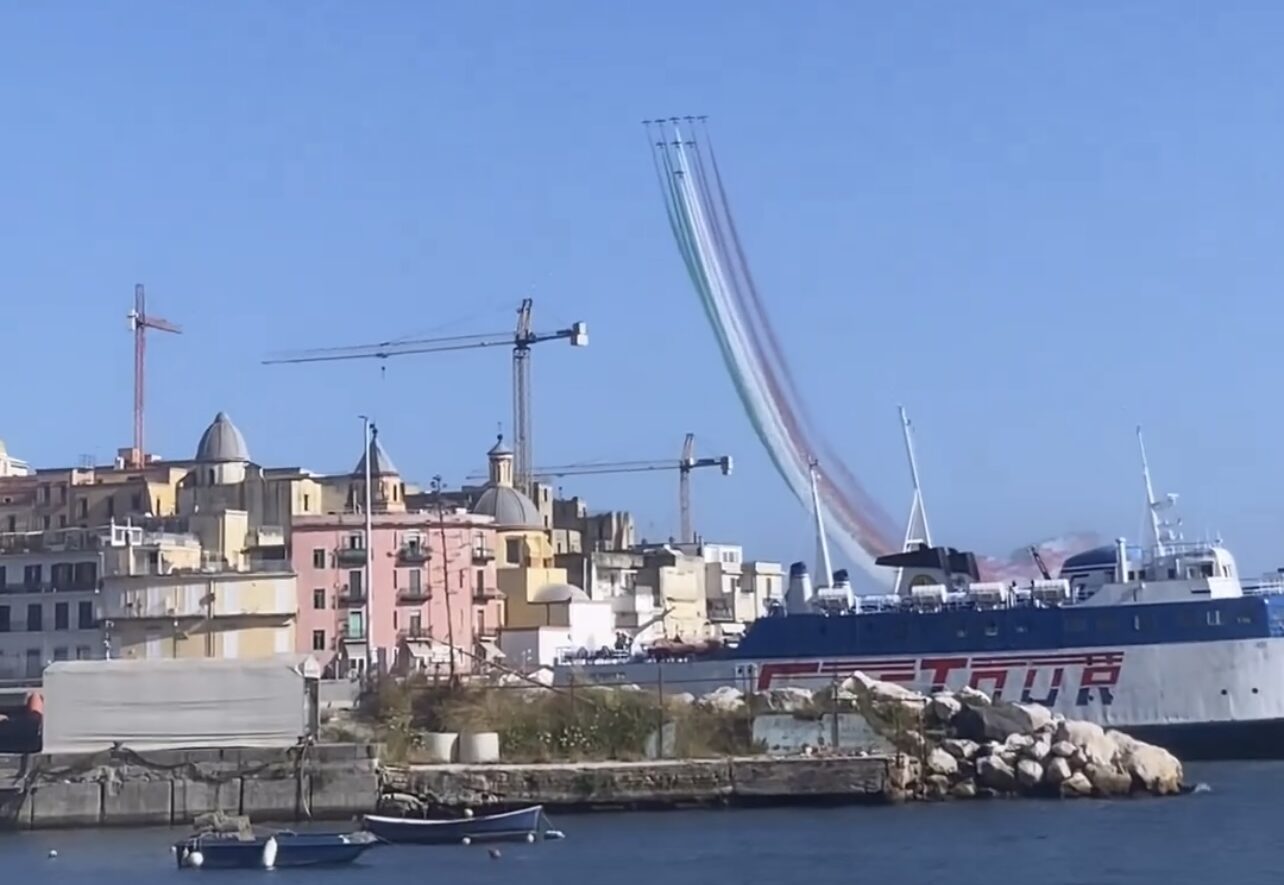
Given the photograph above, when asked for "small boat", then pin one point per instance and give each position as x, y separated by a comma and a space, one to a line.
522, 825
230, 851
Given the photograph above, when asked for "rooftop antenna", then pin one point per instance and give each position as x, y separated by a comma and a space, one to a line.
822, 543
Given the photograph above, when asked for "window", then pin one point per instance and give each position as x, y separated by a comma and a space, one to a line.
84, 508
13, 523
60, 653
318, 640
480, 577
354, 583
307, 502
318, 557
62, 520
62, 494
35, 617
4, 619
3, 582
61, 621
46, 523
111, 507
31, 576
514, 546
1214, 618
318, 598
992, 629
136, 502
356, 541
416, 624
82, 652
85, 575
416, 580
61, 575
85, 616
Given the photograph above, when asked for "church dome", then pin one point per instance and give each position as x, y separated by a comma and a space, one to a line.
380, 463
222, 441
509, 507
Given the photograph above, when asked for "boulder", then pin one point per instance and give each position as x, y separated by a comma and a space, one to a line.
1076, 784
1091, 739
944, 707
941, 762
937, 786
1108, 780
725, 699
1057, 771
1064, 749
997, 721
1151, 767
682, 699
1038, 750
972, 697
1018, 743
892, 711
783, 700
1029, 773
960, 748
964, 790
996, 774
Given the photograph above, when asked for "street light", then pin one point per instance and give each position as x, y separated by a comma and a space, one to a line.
367, 427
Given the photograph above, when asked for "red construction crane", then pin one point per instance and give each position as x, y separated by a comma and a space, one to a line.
684, 465
139, 322
521, 341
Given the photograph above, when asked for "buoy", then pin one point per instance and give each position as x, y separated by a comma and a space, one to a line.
53, 852
269, 853
468, 812
530, 837
466, 840
495, 854
196, 860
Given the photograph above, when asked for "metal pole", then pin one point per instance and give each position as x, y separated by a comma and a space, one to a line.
368, 431
445, 573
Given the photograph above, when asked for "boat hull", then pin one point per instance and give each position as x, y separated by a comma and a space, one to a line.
513, 826
292, 850
1202, 700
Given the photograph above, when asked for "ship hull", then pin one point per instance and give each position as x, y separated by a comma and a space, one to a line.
1202, 700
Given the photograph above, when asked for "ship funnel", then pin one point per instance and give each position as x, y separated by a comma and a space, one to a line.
798, 593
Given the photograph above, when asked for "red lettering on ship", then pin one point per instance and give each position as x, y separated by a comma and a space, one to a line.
940, 669
999, 678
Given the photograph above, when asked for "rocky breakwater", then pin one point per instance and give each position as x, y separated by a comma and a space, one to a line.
963, 745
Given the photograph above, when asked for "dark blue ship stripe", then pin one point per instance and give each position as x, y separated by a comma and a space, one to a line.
972, 631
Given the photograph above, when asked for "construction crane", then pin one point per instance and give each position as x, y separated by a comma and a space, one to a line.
139, 322
1042, 566
521, 340
684, 465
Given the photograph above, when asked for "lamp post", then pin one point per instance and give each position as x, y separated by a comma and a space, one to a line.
439, 488
367, 428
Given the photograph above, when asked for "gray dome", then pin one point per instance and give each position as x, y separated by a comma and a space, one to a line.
509, 507
222, 441
380, 463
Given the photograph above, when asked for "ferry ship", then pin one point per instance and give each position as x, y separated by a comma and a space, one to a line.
1163, 641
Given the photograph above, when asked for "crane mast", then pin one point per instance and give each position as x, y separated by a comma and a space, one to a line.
139, 322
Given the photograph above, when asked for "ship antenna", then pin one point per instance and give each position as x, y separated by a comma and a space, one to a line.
916, 528
822, 543
1152, 504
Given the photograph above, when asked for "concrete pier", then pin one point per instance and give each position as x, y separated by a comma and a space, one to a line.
651, 784
171, 787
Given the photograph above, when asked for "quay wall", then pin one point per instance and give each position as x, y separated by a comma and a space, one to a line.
652, 784
171, 787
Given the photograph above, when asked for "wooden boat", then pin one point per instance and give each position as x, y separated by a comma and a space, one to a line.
230, 851
522, 825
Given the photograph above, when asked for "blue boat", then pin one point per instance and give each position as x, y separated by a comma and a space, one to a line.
228, 851
522, 825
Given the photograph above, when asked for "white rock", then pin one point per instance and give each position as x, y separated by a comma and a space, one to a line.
973, 697
1076, 784
963, 790
1029, 773
1091, 739
944, 707
682, 699
941, 762
1154, 767
860, 685
1057, 771
1018, 742
1064, 749
1039, 750
725, 699
1108, 780
784, 700
998, 720
996, 774
960, 748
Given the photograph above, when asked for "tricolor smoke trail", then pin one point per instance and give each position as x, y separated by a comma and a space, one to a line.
700, 217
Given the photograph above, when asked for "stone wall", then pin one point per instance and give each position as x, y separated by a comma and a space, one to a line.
123, 788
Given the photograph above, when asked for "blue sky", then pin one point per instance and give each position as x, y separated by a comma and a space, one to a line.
1036, 225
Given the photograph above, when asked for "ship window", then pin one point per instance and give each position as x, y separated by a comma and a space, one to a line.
1076, 625
1136, 622
1214, 618
991, 629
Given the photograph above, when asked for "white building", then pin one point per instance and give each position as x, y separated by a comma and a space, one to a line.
11, 466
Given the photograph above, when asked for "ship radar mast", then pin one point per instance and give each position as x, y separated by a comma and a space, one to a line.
1162, 530
916, 528
822, 544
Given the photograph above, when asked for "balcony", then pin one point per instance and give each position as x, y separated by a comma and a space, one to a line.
352, 632
413, 595
350, 556
415, 632
413, 554
482, 554
352, 596
487, 594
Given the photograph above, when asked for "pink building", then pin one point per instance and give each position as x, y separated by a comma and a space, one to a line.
421, 599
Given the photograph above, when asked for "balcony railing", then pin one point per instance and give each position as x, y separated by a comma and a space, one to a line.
414, 595
352, 595
486, 594
413, 554
49, 587
420, 632
482, 554
352, 633
350, 555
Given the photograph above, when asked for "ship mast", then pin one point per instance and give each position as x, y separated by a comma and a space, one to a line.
822, 544
916, 528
